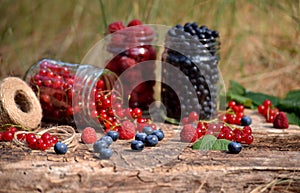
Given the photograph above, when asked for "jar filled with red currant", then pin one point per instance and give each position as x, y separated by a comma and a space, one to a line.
71, 93
133, 58
190, 72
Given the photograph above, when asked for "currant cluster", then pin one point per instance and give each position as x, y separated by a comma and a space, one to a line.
194, 129
190, 59
268, 111
8, 135
45, 141
132, 61
234, 113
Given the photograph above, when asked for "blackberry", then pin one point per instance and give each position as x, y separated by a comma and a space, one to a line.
190, 71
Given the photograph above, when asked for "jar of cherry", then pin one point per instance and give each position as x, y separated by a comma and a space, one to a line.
133, 57
71, 93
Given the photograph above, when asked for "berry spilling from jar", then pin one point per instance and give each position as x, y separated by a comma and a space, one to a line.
133, 61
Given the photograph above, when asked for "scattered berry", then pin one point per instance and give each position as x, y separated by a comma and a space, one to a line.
151, 140
246, 121
281, 121
107, 139
60, 148
88, 135
148, 130
234, 147
159, 133
140, 137
137, 145
113, 134
106, 153
99, 145
127, 130
188, 133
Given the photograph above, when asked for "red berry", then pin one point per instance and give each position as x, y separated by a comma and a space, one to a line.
46, 136
281, 121
1, 136
8, 136
267, 103
185, 120
261, 109
127, 130
137, 112
247, 130
193, 116
248, 139
88, 135
12, 129
21, 136
115, 26
134, 22
231, 104
188, 133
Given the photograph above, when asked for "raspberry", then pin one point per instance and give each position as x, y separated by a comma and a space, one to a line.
115, 26
88, 135
281, 121
134, 22
127, 130
188, 133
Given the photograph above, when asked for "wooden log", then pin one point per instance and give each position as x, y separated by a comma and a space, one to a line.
270, 164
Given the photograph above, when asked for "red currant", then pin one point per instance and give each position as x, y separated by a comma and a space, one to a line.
8, 136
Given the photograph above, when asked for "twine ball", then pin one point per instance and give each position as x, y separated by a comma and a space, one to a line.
19, 104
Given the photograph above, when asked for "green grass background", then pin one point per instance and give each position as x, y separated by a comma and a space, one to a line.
260, 42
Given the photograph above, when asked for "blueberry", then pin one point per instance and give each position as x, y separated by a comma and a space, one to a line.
159, 133
137, 145
107, 139
99, 145
246, 121
113, 134
151, 140
105, 153
148, 130
60, 148
234, 147
140, 136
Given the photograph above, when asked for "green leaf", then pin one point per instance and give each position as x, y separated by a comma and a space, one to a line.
247, 102
291, 106
221, 144
210, 142
258, 98
236, 88
293, 95
205, 143
293, 118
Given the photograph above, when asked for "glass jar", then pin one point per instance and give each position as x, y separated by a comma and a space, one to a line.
70, 93
190, 72
133, 61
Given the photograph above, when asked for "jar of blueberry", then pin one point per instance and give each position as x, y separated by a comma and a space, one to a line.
133, 61
190, 73
71, 93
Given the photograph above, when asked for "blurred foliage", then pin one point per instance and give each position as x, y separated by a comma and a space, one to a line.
260, 39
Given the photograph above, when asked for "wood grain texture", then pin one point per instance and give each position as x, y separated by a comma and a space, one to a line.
270, 164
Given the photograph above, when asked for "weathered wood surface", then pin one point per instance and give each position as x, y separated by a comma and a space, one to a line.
270, 164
